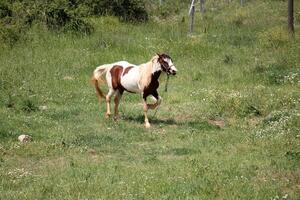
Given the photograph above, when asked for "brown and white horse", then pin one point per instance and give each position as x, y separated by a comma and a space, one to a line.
123, 76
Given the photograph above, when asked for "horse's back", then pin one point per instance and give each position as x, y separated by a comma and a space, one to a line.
123, 64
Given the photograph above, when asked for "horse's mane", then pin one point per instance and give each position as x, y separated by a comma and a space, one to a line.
146, 72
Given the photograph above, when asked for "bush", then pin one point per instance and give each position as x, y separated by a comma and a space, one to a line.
281, 74
274, 37
56, 18
28, 105
167, 9
126, 10
63, 15
239, 18
11, 31
4, 11
79, 26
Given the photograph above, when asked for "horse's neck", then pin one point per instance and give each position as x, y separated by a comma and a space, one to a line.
147, 74
155, 76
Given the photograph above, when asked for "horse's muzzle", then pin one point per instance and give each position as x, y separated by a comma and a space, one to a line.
173, 72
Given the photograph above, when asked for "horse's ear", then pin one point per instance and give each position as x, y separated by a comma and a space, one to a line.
158, 54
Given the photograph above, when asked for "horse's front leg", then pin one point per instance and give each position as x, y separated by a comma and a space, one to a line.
147, 124
156, 104
150, 106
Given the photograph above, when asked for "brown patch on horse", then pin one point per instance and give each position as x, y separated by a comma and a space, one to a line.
116, 72
127, 70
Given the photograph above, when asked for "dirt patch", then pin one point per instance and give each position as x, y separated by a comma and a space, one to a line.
217, 122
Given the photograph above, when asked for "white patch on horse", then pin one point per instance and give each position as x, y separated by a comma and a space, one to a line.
131, 79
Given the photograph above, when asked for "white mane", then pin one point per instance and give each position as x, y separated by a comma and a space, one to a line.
146, 71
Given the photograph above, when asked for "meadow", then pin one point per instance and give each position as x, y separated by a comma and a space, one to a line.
239, 67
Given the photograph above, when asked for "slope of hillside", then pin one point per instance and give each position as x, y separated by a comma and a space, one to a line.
240, 68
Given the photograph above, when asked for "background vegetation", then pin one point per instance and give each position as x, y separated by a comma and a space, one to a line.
240, 67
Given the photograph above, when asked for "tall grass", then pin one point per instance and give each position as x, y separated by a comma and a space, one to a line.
243, 70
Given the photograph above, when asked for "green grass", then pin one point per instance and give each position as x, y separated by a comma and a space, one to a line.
243, 70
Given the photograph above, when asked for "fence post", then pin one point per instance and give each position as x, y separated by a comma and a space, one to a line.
192, 15
202, 9
242, 2
291, 16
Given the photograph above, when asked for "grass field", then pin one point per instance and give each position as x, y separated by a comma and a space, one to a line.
244, 70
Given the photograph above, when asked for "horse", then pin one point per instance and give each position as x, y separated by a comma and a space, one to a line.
123, 76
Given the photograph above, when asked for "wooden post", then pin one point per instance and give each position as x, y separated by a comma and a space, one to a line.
202, 9
291, 16
242, 2
192, 16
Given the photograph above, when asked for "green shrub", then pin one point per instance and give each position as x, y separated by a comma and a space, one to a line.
126, 10
228, 59
77, 25
11, 33
4, 10
28, 105
16, 17
56, 18
280, 74
273, 37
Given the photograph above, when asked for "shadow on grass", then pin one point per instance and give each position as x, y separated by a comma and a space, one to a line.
140, 119
194, 124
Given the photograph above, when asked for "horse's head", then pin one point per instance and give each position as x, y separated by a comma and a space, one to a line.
166, 64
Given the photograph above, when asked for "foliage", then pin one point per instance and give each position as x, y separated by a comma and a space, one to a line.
274, 37
16, 17
167, 9
126, 10
239, 18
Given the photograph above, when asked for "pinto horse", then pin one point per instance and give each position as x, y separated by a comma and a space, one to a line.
123, 76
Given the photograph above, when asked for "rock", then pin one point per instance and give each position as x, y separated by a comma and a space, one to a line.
24, 138
68, 78
43, 107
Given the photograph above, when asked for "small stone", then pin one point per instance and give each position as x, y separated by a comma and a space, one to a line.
68, 78
24, 138
43, 107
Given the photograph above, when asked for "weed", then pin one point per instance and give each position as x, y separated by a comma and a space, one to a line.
228, 59
274, 37
28, 105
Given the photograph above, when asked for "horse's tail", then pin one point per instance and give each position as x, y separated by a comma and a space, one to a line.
96, 79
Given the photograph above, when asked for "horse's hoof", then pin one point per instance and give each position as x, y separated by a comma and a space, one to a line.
147, 125
107, 115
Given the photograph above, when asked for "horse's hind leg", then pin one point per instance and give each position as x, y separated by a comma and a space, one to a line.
110, 93
117, 101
